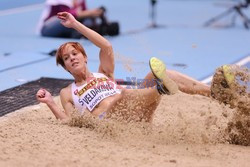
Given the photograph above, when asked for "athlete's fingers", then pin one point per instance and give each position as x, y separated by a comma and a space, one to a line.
41, 93
62, 15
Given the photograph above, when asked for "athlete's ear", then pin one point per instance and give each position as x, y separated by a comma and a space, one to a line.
86, 60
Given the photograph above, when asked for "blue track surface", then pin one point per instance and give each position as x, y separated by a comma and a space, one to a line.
10, 4
184, 44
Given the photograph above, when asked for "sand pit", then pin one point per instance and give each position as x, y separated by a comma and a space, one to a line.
188, 130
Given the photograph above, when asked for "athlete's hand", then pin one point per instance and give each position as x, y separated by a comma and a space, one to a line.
44, 96
66, 18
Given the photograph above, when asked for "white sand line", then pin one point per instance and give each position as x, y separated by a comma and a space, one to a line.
243, 61
207, 80
239, 63
21, 9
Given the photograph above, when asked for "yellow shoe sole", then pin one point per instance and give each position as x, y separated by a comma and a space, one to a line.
158, 69
228, 74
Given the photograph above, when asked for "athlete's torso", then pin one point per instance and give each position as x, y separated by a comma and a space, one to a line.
93, 92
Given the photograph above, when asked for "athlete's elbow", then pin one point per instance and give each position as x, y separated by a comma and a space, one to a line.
64, 118
107, 45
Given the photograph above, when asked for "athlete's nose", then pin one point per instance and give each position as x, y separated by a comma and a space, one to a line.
72, 58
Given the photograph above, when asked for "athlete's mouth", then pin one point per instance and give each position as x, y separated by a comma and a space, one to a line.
74, 64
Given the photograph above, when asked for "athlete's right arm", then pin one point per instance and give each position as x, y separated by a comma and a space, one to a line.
66, 100
44, 96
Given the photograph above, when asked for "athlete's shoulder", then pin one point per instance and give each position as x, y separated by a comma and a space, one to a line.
98, 74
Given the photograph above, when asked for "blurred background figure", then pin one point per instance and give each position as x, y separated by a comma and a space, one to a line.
49, 25
236, 10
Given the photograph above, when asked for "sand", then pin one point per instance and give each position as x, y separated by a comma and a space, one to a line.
187, 130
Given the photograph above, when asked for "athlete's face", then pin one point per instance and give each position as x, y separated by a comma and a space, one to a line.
74, 60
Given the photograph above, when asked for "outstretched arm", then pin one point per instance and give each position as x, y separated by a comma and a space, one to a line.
45, 97
106, 51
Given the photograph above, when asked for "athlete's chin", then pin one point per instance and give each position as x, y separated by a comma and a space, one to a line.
77, 68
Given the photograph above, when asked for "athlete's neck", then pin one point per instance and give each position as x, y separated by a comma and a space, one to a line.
82, 77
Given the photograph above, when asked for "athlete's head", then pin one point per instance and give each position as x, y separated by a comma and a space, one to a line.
71, 55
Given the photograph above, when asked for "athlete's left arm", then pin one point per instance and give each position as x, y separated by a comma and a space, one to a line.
106, 51
107, 63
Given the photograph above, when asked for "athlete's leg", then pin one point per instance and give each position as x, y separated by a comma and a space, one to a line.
185, 83
189, 85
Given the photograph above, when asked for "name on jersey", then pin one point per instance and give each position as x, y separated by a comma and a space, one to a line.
94, 96
91, 85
